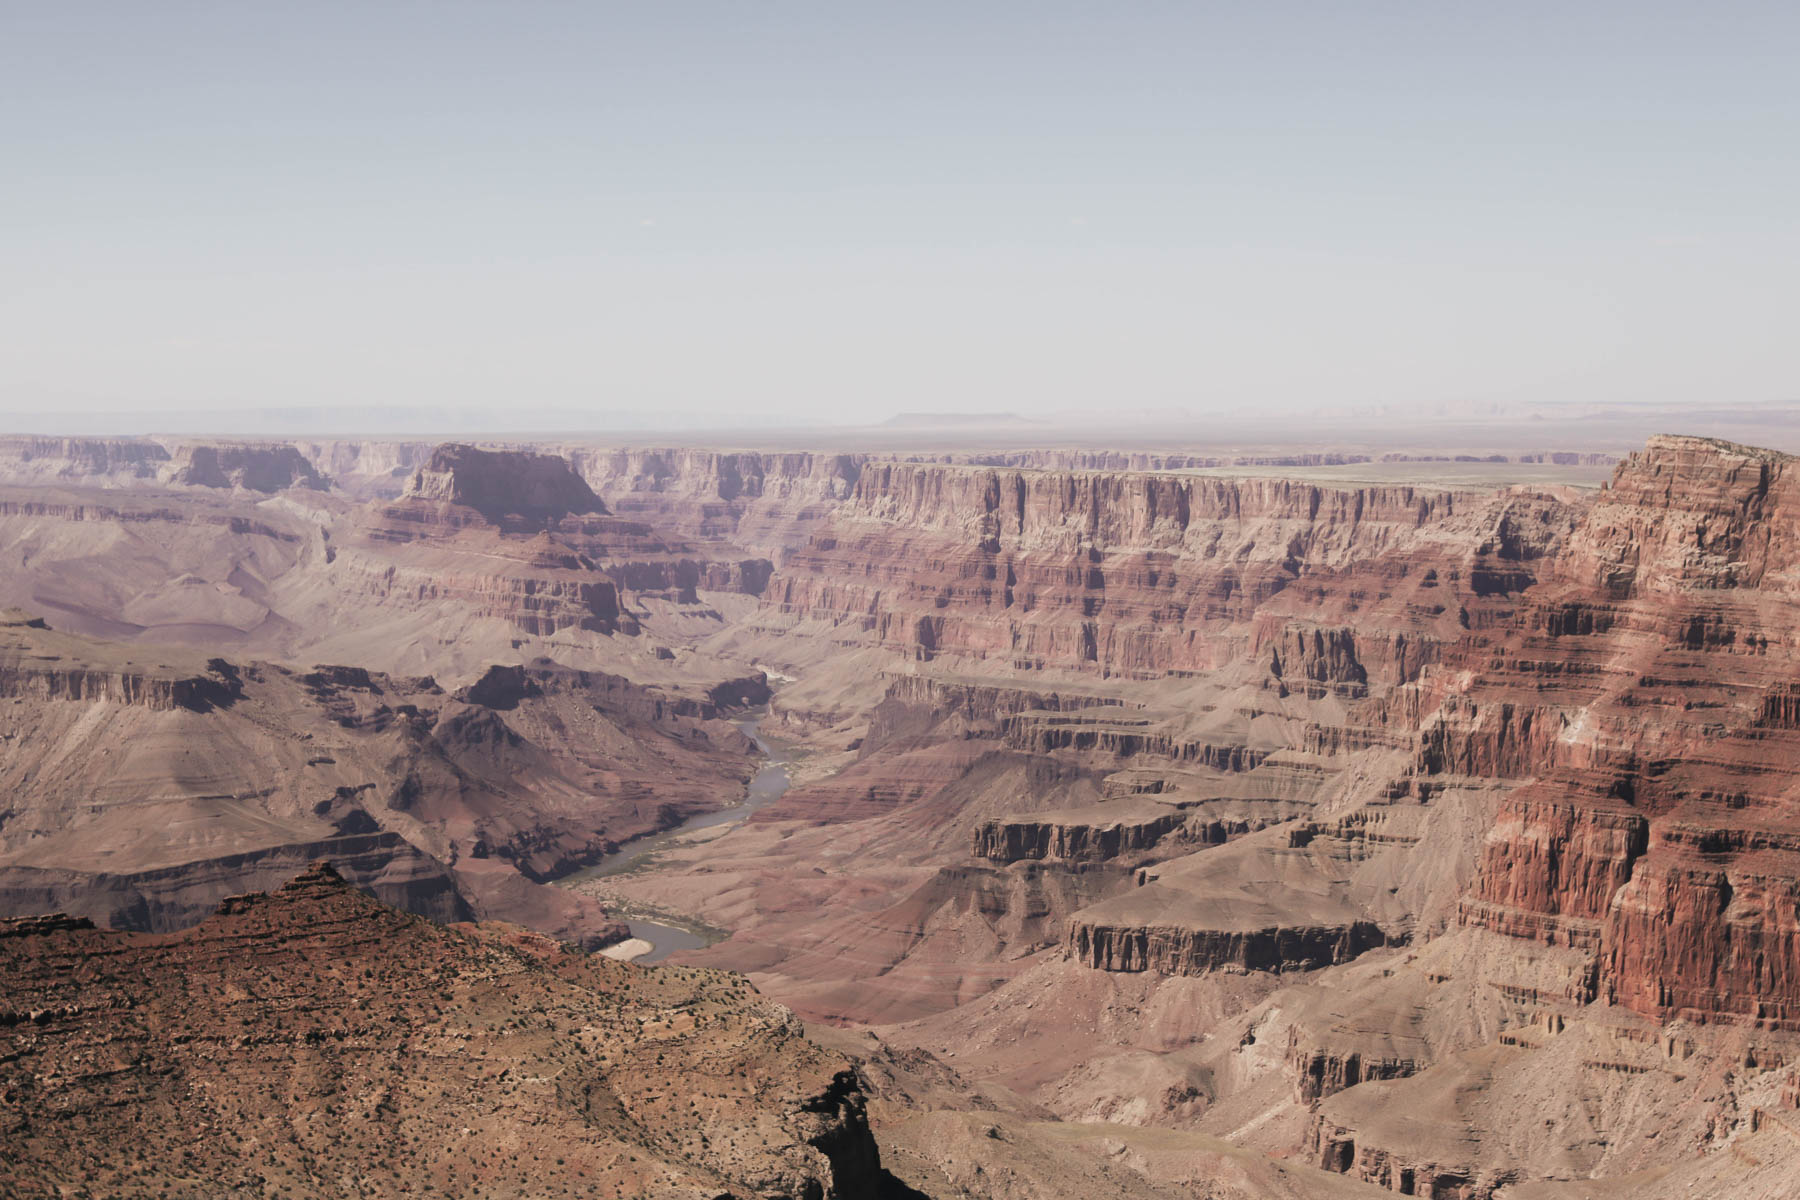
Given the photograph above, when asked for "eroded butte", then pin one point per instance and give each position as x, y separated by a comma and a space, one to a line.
1153, 824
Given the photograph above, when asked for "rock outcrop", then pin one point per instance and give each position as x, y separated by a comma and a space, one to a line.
1147, 945
269, 467
1085, 835
166, 899
39, 666
516, 484
309, 1036
1656, 831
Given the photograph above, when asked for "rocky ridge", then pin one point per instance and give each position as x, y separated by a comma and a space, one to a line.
313, 1039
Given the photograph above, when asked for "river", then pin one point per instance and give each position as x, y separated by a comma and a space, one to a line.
766, 786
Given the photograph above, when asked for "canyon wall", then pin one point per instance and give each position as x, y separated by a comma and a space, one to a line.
766, 503
1134, 575
1658, 828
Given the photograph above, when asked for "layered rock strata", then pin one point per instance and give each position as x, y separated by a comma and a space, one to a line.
140, 788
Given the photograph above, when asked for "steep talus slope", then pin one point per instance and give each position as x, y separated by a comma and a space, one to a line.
313, 1040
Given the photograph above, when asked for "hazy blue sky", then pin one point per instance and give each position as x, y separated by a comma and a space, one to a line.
840, 210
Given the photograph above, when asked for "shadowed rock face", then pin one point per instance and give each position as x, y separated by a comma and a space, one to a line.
1147, 946
258, 468
503, 483
307, 1036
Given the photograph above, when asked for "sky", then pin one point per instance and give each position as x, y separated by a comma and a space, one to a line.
834, 212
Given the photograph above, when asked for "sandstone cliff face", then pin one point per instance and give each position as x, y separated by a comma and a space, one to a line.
1088, 837
1710, 936
993, 700
1323, 1071
538, 591
1136, 575
38, 665
719, 475
1659, 654
199, 693
1123, 736
1321, 660
1690, 513
1123, 460
309, 1036
1179, 951
1123, 509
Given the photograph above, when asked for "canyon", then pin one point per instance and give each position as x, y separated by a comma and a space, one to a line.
1150, 822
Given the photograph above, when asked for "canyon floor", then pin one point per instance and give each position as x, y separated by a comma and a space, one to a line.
958, 823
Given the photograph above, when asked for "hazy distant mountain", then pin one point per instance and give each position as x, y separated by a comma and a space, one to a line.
926, 420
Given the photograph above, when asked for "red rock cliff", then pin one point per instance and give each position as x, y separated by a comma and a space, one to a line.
1140, 574
1660, 827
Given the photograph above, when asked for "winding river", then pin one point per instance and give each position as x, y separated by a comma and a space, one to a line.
765, 787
